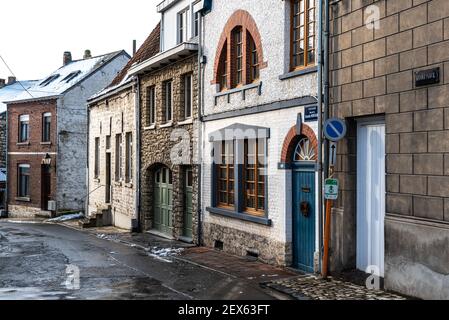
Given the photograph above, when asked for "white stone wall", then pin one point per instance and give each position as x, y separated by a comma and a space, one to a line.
279, 181
273, 21
72, 135
120, 106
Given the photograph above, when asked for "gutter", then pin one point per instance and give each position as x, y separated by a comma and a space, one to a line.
114, 91
7, 164
200, 129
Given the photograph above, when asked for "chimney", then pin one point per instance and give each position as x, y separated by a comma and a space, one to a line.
87, 54
2, 83
67, 58
11, 80
134, 47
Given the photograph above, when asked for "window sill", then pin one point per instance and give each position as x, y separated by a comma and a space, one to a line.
185, 122
240, 216
46, 143
23, 199
297, 73
152, 127
242, 90
27, 143
166, 125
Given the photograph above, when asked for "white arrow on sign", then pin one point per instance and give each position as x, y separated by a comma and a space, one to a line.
332, 154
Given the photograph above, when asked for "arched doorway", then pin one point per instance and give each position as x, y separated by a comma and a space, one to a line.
304, 204
163, 200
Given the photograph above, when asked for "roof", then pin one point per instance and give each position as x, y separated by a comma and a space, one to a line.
66, 77
149, 48
11, 91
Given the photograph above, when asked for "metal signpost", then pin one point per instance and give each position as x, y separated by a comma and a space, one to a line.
334, 130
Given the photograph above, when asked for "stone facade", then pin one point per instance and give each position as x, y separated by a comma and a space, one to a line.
373, 73
110, 119
160, 143
3, 140
273, 102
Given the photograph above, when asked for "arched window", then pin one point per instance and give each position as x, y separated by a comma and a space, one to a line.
239, 57
304, 151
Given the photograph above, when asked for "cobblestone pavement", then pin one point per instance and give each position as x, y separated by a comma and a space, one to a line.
311, 287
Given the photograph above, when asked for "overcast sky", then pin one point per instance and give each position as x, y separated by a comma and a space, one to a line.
35, 33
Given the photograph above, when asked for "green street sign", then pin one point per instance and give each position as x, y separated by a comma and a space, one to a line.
331, 189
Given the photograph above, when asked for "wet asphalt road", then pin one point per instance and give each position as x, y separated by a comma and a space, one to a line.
34, 260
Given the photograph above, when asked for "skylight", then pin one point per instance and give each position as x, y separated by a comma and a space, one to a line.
49, 80
71, 76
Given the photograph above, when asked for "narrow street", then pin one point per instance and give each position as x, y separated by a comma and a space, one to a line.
34, 259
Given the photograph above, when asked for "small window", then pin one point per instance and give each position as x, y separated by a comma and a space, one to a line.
97, 158
118, 157
151, 100
24, 124
129, 157
183, 26
46, 127
24, 181
188, 97
302, 33
253, 60
168, 96
304, 151
49, 80
223, 68
71, 76
196, 24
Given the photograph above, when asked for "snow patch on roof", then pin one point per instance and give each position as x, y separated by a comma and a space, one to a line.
10, 92
64, 78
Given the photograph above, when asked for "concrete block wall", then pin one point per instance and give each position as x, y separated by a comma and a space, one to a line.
373, 74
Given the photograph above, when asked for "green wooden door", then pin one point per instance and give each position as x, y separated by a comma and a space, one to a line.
188, 207
163, 201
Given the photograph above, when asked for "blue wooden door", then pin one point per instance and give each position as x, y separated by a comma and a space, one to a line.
303, 220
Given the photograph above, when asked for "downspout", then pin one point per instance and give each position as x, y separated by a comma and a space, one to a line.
7, 164
200, 128
320, 115
137, 119
87, 200
326, 84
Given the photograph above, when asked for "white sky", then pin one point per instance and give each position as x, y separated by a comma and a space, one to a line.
35, 33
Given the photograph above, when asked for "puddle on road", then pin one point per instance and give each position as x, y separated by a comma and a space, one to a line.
31, 293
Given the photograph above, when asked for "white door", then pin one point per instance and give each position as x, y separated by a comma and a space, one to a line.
371, 196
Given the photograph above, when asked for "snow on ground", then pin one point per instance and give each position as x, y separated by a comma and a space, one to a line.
67, 217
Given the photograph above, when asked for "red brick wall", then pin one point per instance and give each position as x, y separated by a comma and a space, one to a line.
31, 153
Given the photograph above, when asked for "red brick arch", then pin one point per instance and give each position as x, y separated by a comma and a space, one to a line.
246, 21
292, 139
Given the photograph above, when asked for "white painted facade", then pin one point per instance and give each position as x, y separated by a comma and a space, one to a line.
175, 13
273, 22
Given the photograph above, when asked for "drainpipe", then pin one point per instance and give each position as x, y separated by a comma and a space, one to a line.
86, 205
320, 115
326, 83
137, 113
7, 164
200, 127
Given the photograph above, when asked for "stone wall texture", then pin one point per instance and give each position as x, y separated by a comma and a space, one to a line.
160, 140
109, 118
373, 73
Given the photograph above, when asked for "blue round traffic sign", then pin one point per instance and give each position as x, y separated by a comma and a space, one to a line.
334, 129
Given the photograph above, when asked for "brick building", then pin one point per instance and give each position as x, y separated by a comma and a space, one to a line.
389, 64
113, 161
47, 134
8, 90
169, 116
259, 178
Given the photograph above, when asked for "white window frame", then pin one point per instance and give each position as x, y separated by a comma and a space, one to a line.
44, 116
25, 118
183, 18
19, 185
